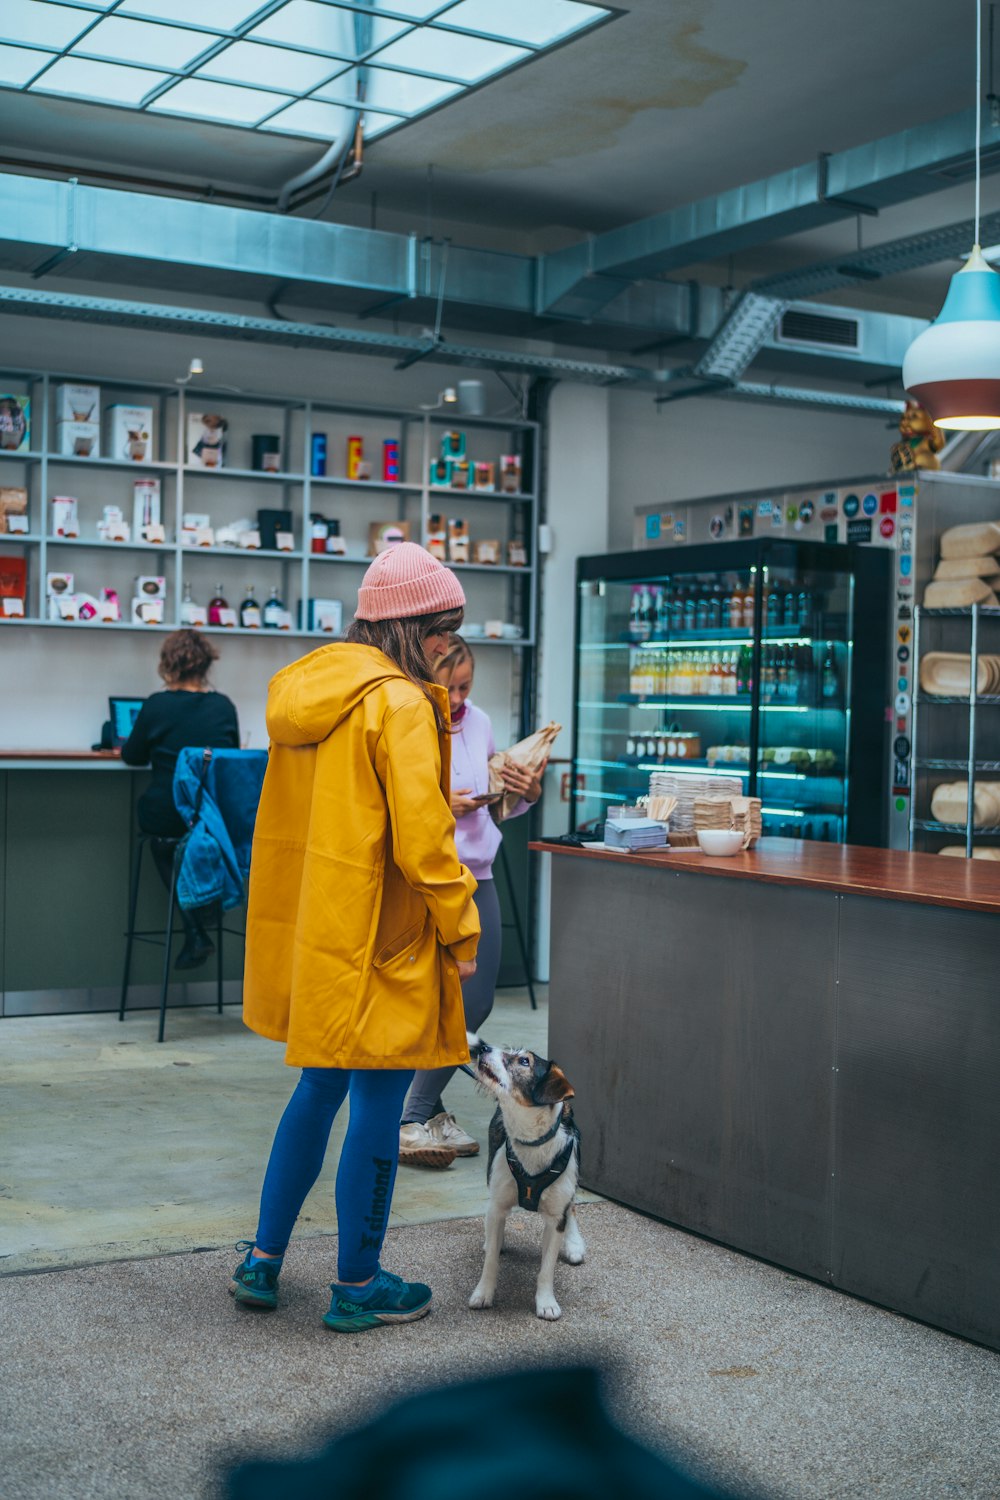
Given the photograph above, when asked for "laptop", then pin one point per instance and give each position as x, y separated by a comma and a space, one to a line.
124, 712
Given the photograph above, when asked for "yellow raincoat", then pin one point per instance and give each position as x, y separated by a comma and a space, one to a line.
358, 904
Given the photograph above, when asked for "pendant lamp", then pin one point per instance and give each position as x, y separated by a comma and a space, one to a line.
953, 367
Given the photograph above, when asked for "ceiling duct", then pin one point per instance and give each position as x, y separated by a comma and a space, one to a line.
800, 328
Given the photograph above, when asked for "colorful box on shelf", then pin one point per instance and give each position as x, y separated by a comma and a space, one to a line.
13, 510
206, 435
517, 555
13, 586
486, 553
458, 540
440, 473
510, 474
147, 611
483, 476
130, 433
15, 423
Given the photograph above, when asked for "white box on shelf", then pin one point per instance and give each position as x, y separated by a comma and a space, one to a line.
78, 403
63, 607
154, 534
130, 433
58, 585
149, 586
146, 611
204, 537
145, 504
249, 541
13, 608
284, 541
65, 520
78, 439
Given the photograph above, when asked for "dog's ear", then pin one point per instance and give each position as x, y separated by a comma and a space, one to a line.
554, 1087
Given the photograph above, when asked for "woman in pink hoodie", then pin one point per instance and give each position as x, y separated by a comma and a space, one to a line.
426, 1125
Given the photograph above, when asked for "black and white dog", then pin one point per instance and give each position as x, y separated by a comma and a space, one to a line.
533, 1163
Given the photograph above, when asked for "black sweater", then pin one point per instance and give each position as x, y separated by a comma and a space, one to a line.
166, 723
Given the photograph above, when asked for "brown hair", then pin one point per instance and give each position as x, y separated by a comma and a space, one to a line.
458, 651
186, 656
402, 641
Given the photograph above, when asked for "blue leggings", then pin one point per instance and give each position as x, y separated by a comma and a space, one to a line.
367, 1171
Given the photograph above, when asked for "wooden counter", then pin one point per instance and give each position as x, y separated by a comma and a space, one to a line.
888, 874
796, 1052
52, 760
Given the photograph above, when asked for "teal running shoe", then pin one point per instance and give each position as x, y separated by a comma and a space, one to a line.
256, 1281
389, 1300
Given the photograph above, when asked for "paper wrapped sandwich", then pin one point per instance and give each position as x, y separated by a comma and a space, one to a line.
532, 752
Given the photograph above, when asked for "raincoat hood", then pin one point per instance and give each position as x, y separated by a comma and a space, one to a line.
308, 699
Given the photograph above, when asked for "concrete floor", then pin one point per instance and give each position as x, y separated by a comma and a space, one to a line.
126, 1373
116, 1146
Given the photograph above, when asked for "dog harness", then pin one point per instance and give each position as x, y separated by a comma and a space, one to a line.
530, 1189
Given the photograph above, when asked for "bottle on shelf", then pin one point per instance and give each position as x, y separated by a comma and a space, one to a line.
744, 672
773, 609
715, 607
789, 610
661, 617
829, 678
273, 610
250, 610
747, 598
635, 615
701, 612
805, 609
690, 610
768, 675
215, 604
677, 612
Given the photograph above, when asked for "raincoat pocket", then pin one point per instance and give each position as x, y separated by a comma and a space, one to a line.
398, 946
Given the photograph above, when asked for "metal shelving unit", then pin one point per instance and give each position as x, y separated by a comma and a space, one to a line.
185, 486
926, 622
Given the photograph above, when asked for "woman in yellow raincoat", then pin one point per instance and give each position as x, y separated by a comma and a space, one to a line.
361, 924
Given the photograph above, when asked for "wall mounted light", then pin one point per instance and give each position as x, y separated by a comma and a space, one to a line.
953, 367
194, 368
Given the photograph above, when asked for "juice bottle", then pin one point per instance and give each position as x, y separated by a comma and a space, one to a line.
748, 607
217, 602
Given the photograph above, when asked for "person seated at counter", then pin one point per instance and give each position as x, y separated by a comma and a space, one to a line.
188, 711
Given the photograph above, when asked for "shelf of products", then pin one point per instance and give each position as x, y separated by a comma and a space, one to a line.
195, 459
948, 733
732, 660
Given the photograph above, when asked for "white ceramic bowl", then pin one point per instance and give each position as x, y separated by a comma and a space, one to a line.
719, 841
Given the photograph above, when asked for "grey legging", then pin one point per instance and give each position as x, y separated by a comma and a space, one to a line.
424, 1100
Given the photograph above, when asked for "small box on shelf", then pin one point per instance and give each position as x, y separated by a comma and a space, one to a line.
13, 510
130, 433
65, 516
13, 586
78, 403
78, 439
15, 423
323, 615
206, 435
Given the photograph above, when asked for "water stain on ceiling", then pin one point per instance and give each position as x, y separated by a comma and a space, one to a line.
567, 107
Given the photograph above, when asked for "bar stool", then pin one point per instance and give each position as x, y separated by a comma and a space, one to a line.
162, 936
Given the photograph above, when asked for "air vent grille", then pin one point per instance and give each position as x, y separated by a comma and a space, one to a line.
818, 331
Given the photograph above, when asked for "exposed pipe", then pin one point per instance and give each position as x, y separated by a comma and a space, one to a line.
333, 156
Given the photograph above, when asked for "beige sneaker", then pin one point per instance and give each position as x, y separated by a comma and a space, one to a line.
444, 1129
419, 1148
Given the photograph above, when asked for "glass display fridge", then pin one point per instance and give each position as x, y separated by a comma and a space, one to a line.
764, 660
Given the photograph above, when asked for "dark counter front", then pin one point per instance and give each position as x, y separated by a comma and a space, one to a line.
796, 1052
68, 834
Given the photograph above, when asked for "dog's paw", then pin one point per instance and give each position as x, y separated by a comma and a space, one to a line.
482, 1298
547, 1307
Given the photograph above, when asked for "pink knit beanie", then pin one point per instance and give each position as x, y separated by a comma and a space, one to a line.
405, 580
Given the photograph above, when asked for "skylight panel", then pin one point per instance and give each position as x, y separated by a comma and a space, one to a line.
18, 65
540, 23
469, 58
276, 67
326, 121
42, 25
220, 15
419, 10
108, 83
217, 101
142, 42
400, 93
304, 23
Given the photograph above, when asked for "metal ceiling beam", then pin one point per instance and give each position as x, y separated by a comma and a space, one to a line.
164, 318
923, 159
